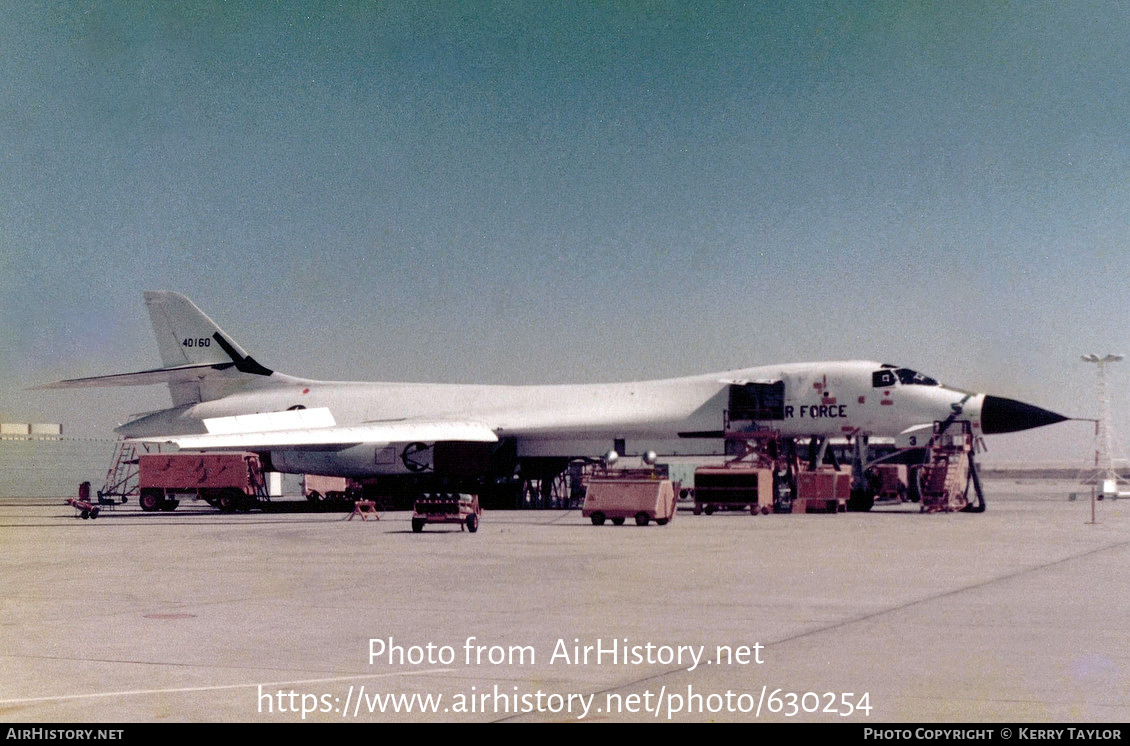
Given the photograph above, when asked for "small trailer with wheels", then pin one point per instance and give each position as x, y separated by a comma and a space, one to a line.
228, 481
824, 490
618, 498
733, 486
83, 507
317, 489
447, 508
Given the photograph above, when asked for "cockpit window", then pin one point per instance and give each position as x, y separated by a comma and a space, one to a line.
889, 375
914, 378
883, 378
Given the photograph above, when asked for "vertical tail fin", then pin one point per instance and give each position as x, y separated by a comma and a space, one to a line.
186, 336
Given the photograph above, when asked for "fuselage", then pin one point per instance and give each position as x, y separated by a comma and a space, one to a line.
689, 415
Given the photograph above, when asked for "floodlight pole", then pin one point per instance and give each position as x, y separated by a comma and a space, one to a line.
1104, 433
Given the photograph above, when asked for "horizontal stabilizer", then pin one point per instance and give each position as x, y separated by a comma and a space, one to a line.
178, 374
405, 431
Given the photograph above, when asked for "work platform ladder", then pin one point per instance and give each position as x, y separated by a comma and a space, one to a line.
949, 470
122, 476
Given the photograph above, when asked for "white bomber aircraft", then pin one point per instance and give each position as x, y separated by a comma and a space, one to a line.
224, 400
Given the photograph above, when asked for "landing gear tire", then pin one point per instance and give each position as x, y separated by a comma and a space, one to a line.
617, 521
660, 521
861, 501
598, 519
642, 519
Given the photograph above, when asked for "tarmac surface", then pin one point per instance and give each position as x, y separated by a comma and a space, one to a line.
1015, 615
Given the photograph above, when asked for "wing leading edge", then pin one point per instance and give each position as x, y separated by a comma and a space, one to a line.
403, 431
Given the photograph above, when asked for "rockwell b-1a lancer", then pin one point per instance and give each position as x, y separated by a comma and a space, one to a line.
223, 399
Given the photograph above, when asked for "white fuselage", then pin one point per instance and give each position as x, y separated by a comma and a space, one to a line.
670, 416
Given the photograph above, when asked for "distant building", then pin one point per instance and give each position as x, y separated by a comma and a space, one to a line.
31, 431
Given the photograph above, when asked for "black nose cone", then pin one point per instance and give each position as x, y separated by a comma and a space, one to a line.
1000, 415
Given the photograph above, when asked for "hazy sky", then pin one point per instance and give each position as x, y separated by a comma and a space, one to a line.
526, 192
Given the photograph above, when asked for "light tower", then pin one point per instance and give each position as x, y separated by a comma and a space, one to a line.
1103, 471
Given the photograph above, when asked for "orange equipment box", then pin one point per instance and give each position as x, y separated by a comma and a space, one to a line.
822, 491
736, 487
619, 498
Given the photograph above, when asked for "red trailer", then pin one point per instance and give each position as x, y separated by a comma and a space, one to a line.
228, 481
83, 507
825, 490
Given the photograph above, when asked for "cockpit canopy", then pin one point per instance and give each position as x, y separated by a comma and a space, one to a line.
890, 374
